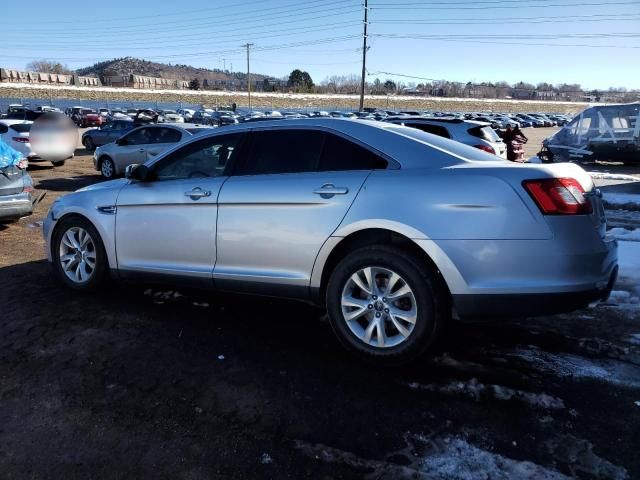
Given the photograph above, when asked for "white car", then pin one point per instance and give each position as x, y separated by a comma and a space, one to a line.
141, 144
15, 133
470, 132
171, 116
187, 113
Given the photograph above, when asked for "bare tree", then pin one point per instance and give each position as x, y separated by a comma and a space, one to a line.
48, 66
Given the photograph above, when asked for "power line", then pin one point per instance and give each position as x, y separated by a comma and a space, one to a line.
187, 23
129, 38
491, 21
244, 3
475, 6
230, 39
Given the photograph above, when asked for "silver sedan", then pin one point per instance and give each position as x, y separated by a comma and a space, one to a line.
394, 230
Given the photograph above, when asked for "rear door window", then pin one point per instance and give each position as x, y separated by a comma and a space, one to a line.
282, 151
429, 128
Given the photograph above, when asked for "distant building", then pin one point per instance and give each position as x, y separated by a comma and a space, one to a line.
17, 76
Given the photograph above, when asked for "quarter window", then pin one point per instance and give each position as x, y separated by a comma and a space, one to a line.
342, 154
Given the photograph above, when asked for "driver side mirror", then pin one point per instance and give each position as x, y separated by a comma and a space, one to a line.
135, 171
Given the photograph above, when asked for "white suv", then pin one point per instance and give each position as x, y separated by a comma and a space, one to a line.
473, 133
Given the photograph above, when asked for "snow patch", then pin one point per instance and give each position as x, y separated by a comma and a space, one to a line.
625, 234
441, 458
578, 454
266, 459
634, 338
567, 365
622, 199
479, 391
461, 460
613, 176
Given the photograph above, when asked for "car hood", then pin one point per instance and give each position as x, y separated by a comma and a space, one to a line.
111, 184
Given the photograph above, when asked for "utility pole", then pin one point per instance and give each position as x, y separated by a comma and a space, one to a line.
224, 64
248, 46
364, 54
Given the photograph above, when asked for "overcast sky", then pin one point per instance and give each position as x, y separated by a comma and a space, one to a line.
595, 43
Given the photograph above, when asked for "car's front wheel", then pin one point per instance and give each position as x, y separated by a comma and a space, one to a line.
107, 168
78, 254
385, 305
88, 144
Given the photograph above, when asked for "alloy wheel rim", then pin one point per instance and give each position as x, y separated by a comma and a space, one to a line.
77, 255
107, 169
379, 307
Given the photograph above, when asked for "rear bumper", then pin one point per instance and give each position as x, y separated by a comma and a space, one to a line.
485, 307
502, 278
15, 206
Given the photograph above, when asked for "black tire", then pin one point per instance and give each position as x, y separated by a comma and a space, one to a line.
99, 274
430, 296
59, 163
88, 144
106, 172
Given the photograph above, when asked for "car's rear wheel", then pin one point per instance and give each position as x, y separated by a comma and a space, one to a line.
107, 167
58, 163
385, 305
88, 144
78, 254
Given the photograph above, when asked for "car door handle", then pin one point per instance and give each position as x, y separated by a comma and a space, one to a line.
329, 190
197, 193
141, 150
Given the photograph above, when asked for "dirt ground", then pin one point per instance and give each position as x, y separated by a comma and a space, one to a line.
139, 382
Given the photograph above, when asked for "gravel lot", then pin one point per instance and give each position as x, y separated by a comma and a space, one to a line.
139, 382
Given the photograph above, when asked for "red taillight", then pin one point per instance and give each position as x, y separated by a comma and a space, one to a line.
558, 196
21, 139
486, 148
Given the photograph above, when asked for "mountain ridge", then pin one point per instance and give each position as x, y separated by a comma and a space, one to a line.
138, 66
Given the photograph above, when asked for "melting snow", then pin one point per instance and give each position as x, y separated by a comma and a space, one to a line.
573, 366
443, 458
613, 176
625, 234
479, 391
622, 199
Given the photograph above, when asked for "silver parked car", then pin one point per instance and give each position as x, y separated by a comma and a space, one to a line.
139, 145
394, 230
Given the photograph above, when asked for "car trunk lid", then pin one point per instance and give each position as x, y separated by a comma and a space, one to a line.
11, 180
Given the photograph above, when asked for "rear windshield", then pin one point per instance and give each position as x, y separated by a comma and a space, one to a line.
21, 127
485, 133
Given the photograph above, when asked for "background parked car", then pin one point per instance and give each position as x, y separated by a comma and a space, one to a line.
90, 118
16, 133
141, 144
107, 133
470, 132
170, 116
